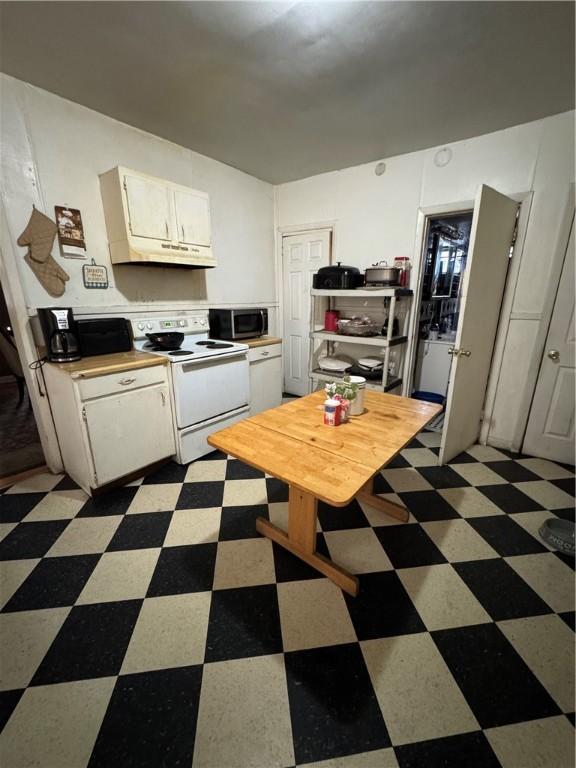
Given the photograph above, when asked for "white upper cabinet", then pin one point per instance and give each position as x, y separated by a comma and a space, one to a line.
149, 208
192, 217
150, 220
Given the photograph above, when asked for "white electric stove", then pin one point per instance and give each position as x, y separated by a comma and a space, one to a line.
209, 377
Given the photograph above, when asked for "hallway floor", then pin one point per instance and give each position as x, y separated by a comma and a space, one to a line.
153, 627
20, 447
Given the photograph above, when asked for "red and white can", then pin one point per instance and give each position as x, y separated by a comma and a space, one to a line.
332, 413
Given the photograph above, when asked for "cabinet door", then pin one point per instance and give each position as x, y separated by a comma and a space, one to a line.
192, 217
265, 384
149, 208
129, 431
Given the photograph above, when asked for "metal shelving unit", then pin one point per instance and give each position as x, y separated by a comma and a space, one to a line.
391, 295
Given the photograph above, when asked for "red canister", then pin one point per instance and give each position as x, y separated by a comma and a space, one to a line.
331, 317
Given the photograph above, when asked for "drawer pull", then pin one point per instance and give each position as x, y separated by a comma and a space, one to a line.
125, 382
264, 352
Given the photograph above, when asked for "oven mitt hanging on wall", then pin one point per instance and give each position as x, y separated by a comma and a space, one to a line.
39, 237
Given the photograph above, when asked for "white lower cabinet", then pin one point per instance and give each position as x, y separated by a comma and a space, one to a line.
106, 431
265, 377
138, 423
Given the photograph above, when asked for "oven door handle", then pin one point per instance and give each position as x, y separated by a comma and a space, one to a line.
214, 360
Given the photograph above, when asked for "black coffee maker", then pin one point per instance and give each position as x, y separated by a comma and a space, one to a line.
59, 330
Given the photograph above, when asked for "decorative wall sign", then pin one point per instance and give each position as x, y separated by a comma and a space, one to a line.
95, 275
70, 232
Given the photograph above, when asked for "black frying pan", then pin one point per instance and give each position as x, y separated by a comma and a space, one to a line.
166, 341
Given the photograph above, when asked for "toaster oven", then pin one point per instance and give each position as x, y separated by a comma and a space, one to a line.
104, 336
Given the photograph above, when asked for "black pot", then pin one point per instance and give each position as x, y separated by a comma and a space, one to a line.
337, 276
166, 341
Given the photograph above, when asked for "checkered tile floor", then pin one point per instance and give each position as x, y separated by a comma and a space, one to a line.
153, 627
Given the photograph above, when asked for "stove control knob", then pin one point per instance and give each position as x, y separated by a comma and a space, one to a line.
141, 326
149, 326
203, 321
182, 323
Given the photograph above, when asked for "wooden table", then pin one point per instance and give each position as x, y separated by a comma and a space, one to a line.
333, 464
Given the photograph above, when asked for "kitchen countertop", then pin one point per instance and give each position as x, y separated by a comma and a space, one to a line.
261, 341
99, 365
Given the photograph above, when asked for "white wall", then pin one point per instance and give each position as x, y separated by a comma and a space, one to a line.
52, 153
376, 219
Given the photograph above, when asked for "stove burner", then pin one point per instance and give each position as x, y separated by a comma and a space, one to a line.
209, 344
180, 352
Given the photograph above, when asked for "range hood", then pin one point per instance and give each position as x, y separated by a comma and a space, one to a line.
154, 221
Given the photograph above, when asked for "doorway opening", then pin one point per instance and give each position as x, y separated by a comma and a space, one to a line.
465, 282
20, 448
444, 258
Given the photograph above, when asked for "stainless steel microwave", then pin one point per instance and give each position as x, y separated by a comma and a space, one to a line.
237, 324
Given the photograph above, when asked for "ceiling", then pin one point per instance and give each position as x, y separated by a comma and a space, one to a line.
288, 90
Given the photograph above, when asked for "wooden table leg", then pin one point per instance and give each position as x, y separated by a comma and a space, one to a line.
367, 495
301, 539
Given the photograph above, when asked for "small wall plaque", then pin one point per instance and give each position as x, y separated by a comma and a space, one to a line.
95, 275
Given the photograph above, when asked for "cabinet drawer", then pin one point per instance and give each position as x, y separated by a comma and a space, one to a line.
262, 353
122, 381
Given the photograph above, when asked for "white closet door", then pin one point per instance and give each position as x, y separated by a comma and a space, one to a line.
482, 291
550, 432
192, 217
149, 208
302, 256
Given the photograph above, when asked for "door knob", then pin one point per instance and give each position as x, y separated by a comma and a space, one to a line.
553, 354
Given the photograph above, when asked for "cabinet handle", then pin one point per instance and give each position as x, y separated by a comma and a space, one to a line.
166, 227
163, 398
265, 352
127, 381
182, 230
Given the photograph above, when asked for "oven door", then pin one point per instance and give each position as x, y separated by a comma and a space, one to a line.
209, 387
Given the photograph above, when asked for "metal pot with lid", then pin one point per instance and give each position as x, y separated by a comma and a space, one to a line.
381, 274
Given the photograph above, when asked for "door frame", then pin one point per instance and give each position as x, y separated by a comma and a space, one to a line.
426, 212
286, 231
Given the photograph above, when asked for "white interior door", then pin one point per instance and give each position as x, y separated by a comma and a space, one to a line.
302, 256
482, 290
149, 208
550, 431
192, 217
